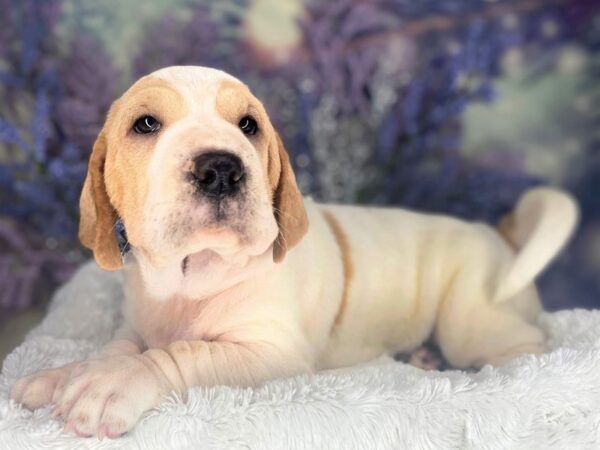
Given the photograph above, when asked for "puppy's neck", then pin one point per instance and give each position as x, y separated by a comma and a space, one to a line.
199, 276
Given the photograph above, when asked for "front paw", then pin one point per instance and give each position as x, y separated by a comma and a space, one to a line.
37, 390
109, 395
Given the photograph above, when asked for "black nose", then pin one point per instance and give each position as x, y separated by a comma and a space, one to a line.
218, 173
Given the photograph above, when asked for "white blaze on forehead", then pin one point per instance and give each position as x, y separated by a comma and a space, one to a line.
198, 85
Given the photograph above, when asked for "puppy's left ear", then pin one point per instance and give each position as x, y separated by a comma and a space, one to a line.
288, 203
97, 215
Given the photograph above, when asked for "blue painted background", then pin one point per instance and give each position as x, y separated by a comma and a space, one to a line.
453, 106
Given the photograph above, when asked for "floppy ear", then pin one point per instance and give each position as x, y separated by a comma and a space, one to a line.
538, 229
288, 204
97, 216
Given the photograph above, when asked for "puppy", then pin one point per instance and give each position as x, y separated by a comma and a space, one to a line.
233, 278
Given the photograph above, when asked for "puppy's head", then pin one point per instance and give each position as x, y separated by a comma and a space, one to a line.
190, 162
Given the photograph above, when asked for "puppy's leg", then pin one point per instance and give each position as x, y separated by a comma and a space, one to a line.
488, 317
44, 387
472, 334
110, 395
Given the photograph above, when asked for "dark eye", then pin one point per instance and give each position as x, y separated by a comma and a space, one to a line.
146, 124
248, 125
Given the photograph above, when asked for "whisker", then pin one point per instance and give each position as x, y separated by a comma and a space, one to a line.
283, 213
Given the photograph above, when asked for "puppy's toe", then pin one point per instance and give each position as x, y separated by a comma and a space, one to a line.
34, 392
118, 418
38, 389
114, 426
104, 431
73, 390
85, 414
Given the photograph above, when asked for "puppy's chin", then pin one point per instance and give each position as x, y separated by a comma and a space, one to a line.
220, 240
228, 245
211, 245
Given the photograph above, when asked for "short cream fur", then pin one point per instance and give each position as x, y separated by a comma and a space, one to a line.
287, 285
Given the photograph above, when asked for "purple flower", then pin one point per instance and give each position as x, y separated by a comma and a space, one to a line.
370, 109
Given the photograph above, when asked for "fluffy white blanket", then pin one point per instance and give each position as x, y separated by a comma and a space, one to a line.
552, 401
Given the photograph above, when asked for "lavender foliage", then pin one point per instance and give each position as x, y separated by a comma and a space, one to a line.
210, 37
439, 64
370, 108
30, 268
52, 109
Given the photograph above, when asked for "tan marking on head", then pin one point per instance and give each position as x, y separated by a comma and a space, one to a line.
234, 100
116, 184
347, 265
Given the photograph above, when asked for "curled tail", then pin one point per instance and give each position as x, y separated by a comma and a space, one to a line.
538, 228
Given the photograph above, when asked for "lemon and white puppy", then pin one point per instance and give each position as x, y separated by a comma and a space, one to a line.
233, 278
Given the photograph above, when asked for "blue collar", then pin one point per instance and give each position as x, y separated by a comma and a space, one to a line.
121, 236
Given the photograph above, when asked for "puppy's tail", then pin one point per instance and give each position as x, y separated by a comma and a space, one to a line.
538, 228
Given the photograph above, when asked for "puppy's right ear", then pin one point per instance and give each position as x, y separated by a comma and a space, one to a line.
97, 215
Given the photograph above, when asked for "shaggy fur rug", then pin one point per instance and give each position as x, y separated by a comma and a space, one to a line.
550, 401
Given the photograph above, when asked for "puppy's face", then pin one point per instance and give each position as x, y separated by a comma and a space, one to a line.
190, 162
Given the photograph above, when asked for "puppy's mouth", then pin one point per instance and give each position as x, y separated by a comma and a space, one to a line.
219, 241
222, 245
200, 260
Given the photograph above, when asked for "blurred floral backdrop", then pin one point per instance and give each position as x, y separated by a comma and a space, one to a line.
452, 106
